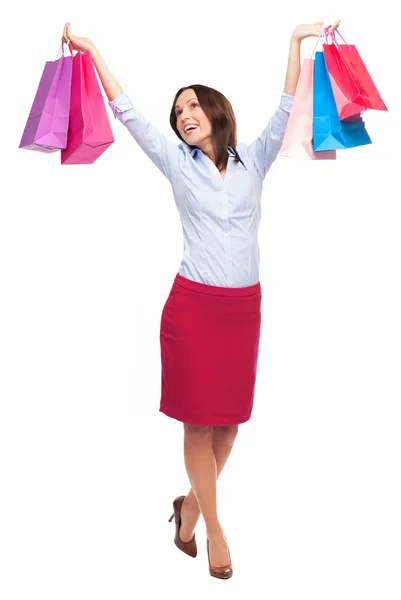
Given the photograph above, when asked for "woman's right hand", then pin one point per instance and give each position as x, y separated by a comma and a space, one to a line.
78, 43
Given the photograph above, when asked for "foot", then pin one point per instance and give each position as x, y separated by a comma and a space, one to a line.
218, 551
189, 517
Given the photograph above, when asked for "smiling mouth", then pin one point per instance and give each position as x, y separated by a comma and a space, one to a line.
190, 131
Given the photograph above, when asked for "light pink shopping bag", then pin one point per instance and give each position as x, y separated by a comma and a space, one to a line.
298, 138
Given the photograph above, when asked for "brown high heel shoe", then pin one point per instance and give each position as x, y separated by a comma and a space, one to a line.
190, 547
220, 572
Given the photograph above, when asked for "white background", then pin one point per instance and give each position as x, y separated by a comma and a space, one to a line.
309, 499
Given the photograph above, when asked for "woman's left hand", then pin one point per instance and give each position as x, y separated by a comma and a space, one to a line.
303, 31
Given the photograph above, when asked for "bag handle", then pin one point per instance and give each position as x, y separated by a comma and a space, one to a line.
69, 47
324, 33
333, 37
61, 49
332, 34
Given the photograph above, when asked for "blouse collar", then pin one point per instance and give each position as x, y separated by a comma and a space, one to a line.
196, 151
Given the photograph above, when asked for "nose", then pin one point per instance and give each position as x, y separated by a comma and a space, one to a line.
183, 118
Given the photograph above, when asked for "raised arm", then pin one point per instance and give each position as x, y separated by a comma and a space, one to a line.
163, 153
264, 150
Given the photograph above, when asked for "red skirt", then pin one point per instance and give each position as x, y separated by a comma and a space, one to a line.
209, 341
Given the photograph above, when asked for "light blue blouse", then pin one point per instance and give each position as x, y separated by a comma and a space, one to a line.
220, 218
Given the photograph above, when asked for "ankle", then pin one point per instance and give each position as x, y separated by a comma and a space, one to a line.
214, 531
191, 503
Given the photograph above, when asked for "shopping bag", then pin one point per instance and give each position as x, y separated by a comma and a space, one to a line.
89, 133
298, 135
360, 74
347, 93
46, 129
329, 133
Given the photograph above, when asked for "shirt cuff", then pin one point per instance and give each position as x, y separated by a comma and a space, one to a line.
286, 102
120, 104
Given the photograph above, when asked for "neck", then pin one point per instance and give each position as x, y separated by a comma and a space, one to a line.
208, 148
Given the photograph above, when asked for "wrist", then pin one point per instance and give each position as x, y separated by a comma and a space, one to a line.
95, 54
295, 40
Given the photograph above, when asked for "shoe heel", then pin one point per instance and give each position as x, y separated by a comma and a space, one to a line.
187, 547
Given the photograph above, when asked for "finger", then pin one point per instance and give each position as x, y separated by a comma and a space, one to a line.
71, 43
66, 33
335, 26
71, 37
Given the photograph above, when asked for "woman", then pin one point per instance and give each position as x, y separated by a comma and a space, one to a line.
209, 332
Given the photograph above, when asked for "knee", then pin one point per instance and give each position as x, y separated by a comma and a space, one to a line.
198, 431
225, 434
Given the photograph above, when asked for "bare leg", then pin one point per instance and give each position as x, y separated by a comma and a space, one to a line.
223, 439
206, 450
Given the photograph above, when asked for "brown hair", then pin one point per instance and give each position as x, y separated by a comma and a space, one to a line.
221, 115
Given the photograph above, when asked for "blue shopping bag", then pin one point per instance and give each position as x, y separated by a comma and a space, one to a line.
329, 133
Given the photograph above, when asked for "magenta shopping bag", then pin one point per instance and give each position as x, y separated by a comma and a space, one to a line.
46, 129
89, 133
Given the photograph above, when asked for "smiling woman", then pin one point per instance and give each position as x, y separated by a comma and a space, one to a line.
210, 324
212, 114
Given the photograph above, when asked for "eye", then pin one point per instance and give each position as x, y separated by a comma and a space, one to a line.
193, 104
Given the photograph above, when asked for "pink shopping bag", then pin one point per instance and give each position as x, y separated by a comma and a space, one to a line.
298, 137
89, 133
47, 125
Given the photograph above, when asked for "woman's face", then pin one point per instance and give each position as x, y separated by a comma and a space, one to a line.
188, 110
